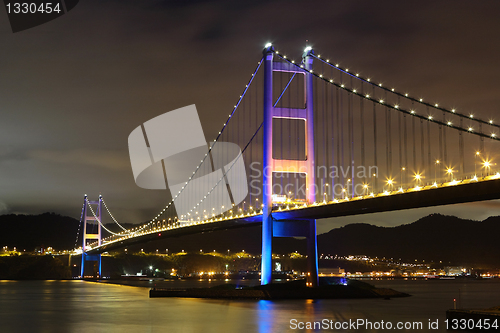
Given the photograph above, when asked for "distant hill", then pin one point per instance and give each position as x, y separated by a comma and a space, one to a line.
27, 232
32, 231
433, 238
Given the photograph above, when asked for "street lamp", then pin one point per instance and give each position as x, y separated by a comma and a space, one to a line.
435, 170
374, 182
365, 187
401, 176
450, 172
486, 165
475, 161
417, 177
390, 182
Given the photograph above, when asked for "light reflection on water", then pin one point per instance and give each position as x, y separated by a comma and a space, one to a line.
76, 306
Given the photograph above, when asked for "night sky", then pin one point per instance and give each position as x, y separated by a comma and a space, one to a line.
72, 90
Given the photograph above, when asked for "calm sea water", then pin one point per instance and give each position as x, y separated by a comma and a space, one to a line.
77, 306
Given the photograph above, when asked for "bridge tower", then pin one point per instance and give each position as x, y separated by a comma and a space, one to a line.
95, 235
287, 228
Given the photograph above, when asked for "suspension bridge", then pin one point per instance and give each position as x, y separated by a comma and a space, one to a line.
317, 141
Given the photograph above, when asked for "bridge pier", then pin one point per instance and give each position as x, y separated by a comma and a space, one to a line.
307, 229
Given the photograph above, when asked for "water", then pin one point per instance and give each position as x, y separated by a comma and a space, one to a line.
77, 306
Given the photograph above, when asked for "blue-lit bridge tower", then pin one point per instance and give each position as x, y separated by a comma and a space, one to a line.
288, 228
91, 231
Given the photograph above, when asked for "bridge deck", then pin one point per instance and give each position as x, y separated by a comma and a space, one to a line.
444, 194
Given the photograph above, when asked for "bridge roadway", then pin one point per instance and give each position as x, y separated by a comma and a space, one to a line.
456, 192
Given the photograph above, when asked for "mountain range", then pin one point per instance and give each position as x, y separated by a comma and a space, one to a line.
434, 238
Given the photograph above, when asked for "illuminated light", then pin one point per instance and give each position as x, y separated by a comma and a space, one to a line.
392, 89
412, 111
470, 129
331, 81
336, 65
327, 60
434, 184
321, 75
436, 105
368, 80
381, 101
430, 117
493, 135
293, 61
342, 86
307, 49
268, 45
453, 110
347, 69
491, 121
472, 116
421, 100
357, 74
474, 178
386, 193
406, 95
354, 90
367, 96
396, 106
449, 123
380, 84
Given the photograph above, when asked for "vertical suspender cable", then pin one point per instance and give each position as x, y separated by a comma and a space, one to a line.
445, 157
405, 150
461, 148
400, 142
374, 142
325, 133
350, 133
429, 164
389, 138
362, 121
414, 143
440, 143
481, 139
342, 131
422, 145
332, 134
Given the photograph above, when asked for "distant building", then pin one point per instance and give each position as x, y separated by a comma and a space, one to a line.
337, 271
455, 270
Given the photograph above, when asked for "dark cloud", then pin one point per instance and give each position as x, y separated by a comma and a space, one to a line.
73, 89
